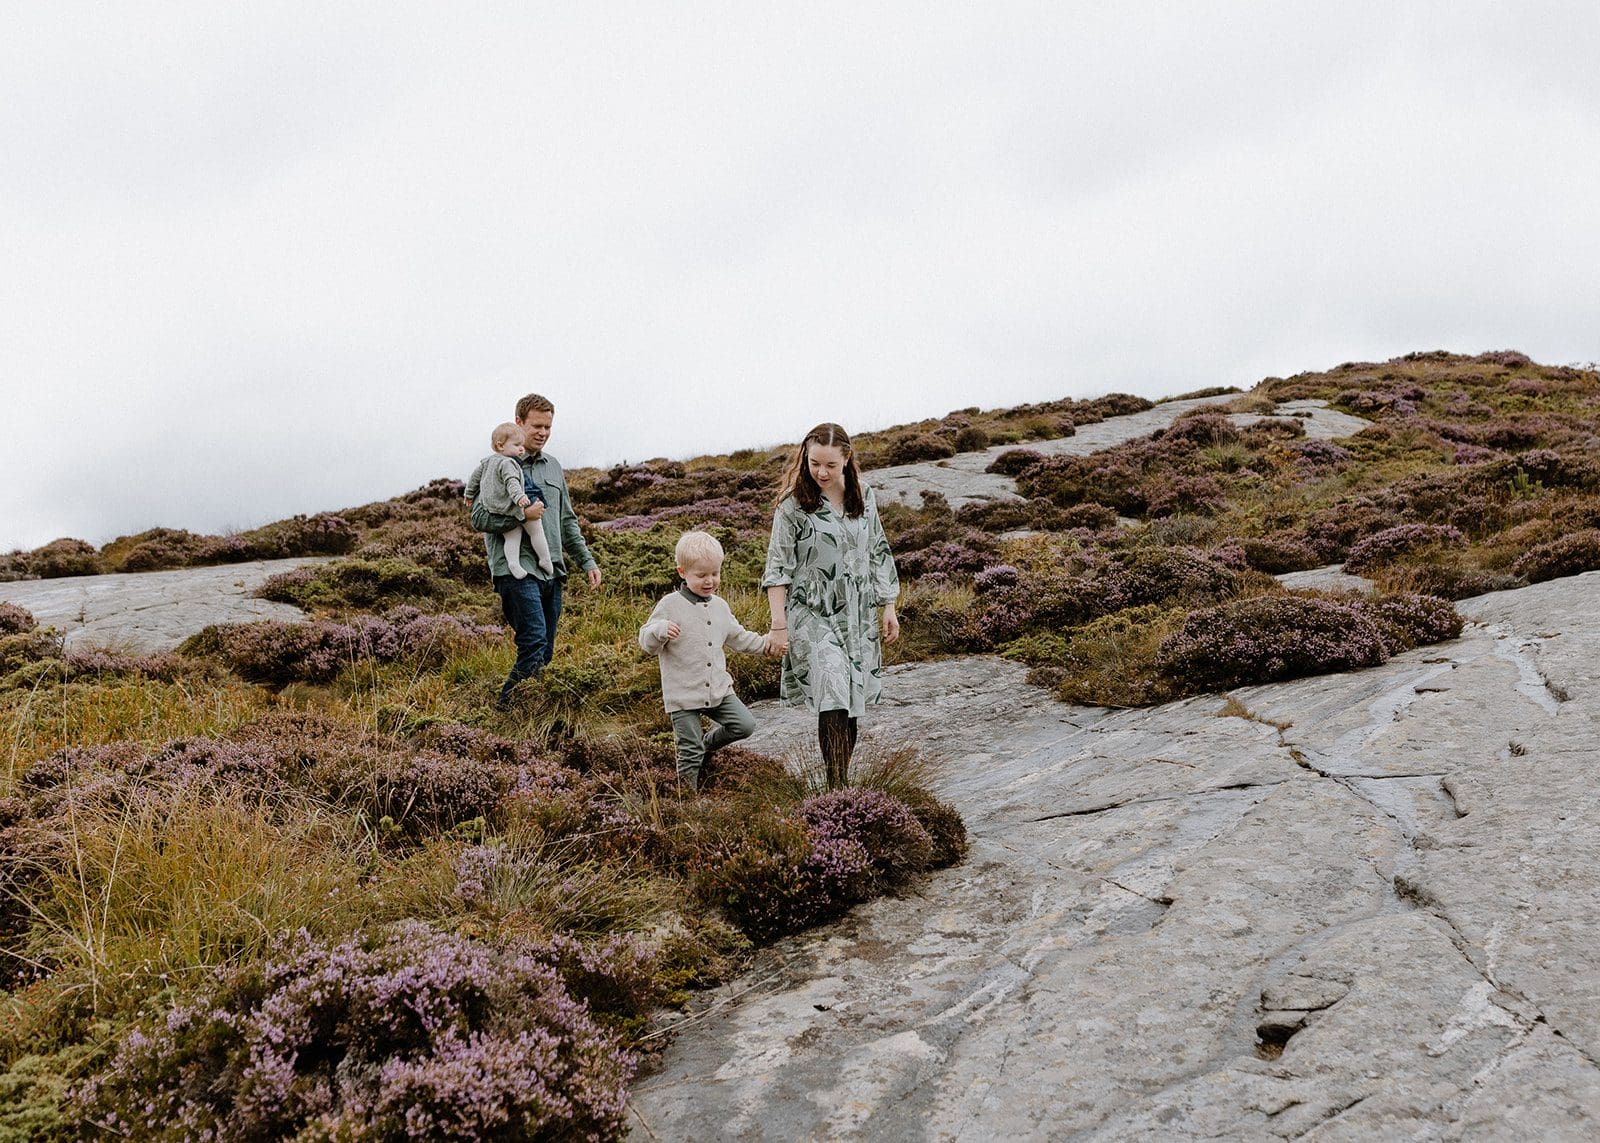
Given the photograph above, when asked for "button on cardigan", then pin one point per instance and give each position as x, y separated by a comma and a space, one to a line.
694, 668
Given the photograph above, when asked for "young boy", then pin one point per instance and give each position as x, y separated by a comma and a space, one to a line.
689, 630
498, 479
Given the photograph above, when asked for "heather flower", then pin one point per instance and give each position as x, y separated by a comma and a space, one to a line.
1159, 574
15, 620
947, 557
93, 661
1199, 495
66, 557
1395, 543
475, 867
1015, 461
1568, 555
1200, 428
406, 1034
1510, 358
1278, 554
892, 843
995, 577
1268, 638
1466, 454
274, 652
1408, 620
1318, 457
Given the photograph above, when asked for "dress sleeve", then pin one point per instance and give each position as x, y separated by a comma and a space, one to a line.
782, 547
885, 579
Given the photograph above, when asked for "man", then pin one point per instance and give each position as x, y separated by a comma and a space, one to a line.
532, 604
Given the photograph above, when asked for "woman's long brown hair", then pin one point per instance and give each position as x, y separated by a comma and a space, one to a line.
799, 483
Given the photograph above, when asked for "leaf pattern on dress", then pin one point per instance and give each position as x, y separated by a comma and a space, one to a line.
838, 572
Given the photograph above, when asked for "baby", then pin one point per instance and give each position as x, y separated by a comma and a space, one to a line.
498, 479
689, 630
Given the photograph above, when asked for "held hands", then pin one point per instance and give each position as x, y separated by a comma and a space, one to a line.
777, 645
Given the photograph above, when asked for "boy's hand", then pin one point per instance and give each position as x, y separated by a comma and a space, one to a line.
673, 630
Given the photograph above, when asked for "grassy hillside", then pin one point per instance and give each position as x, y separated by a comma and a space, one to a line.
298, 878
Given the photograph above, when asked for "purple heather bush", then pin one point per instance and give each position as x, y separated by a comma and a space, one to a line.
274, 652
1392, 544
360, 583
1469, 454
403, 1034
15, 620
995, 578
895, 843
66, 557
1198, 495
1330, 531
1015, 461
1268, 638
1408, 620
1049, 600
783, 874
945, 556
99, 663
1319, 457
1200, 427
1509, 358
1568, 555
1160, 575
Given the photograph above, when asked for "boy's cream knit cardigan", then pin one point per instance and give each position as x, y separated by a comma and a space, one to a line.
694, 670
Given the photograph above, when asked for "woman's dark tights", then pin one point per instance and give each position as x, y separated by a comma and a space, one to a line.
836, 734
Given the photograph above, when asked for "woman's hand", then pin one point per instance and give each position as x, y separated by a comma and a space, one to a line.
778, 642
891, 624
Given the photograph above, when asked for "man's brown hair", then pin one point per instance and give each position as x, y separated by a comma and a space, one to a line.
533, 403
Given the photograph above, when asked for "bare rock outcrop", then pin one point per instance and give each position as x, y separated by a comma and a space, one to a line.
961, 479
146, 612
1358, 906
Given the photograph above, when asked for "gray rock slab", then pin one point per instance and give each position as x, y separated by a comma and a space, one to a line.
1330, 578
961, 479
1368, 907
145, 612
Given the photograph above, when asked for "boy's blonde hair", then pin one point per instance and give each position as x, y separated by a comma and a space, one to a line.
696, 546
502, 433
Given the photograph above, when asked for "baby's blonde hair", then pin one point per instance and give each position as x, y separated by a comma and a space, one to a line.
694, 546
502, 433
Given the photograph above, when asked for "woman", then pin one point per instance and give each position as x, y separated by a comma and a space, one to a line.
828, 569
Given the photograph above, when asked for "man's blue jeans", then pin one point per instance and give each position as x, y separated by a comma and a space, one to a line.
531, 606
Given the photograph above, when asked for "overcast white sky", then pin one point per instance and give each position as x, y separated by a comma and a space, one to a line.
267, 258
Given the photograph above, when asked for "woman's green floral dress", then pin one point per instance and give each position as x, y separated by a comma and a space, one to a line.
839, 571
